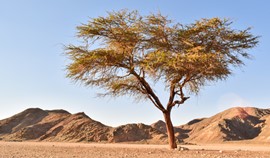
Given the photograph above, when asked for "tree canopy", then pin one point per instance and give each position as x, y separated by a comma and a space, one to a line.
137, 51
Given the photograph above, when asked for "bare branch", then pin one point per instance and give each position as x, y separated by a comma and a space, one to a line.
149, 90
178, 102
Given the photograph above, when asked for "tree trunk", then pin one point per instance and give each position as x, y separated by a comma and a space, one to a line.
170, 130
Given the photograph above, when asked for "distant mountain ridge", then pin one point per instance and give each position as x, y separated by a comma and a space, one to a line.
239, 123
59, 125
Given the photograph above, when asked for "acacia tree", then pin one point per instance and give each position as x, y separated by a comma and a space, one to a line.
134, 52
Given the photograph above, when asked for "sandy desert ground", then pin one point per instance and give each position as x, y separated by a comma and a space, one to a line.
95, 150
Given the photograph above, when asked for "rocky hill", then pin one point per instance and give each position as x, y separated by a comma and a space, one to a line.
264, 135
59, 125
30, 124
233, 124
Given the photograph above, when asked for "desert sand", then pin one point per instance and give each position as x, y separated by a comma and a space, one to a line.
98, 150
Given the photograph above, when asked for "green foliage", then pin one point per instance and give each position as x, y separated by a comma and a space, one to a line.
138, 50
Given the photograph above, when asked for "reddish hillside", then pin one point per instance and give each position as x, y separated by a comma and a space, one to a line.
232, 124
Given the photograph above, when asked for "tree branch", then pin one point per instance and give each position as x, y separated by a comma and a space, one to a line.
171, 102
178, 102
172, 94
149, 90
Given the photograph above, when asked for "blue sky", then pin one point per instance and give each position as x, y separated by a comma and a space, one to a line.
32, 65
